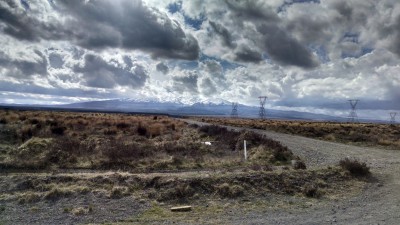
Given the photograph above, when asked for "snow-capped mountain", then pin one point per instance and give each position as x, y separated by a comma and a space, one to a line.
199, 108
178, 107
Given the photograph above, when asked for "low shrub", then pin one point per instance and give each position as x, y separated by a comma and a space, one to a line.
58, 130
3, 121
122, 125
110, 131
356, 168
311, 191
141, 130
298, 165
118, 192
34, 121
282, 154
213, 130
117, 151
230, 191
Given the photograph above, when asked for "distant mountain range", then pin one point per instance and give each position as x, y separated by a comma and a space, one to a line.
179, 108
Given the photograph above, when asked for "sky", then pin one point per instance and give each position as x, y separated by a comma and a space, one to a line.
304, 55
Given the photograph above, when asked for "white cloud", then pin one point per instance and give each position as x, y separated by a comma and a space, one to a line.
310, 56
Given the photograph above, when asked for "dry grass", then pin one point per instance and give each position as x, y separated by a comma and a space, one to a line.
40, 140
175, 188
384, 135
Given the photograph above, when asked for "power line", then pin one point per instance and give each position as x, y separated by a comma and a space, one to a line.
262, 113
393, 117
353, 118
234, 113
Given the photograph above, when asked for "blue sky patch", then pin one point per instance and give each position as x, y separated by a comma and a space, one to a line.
25, 4
174, 7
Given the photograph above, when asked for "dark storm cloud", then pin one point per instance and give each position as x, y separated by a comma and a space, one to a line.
187, 83
131, 25
161, 67
285, 49
252, 10
270, 37
24, 68
245, 54
98, 73
223, 33
102, 24
393, 30
16, 25
21, 25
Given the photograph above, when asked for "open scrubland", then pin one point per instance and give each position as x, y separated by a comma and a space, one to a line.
363, 134
69, 167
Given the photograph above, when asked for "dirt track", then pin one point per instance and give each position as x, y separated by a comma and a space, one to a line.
379, 203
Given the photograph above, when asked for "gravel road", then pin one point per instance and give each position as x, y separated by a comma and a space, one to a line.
379, 202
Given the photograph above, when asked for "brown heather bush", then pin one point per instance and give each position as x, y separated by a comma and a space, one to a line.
230, 191
311, 191
282, 154
355, 167
298, 165
122, 125
155, 130
3, 121
64, 151
22, 117
119, 192
117, 151
190, 149
141, 130
34, 121
25, 133
180, 192
110, 131
58, 130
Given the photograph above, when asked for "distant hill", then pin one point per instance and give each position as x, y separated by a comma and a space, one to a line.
179, 108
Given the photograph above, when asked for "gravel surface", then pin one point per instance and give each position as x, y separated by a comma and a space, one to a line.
72, 210
379, 202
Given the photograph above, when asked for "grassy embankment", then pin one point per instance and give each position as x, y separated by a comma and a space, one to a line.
364, 134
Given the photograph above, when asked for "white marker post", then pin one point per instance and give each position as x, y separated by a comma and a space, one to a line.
245, 150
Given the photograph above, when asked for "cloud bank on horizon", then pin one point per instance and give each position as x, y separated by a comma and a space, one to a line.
307, 55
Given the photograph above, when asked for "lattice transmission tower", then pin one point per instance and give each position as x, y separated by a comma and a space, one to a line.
353, 118
234, 113
262, 113
393, 117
